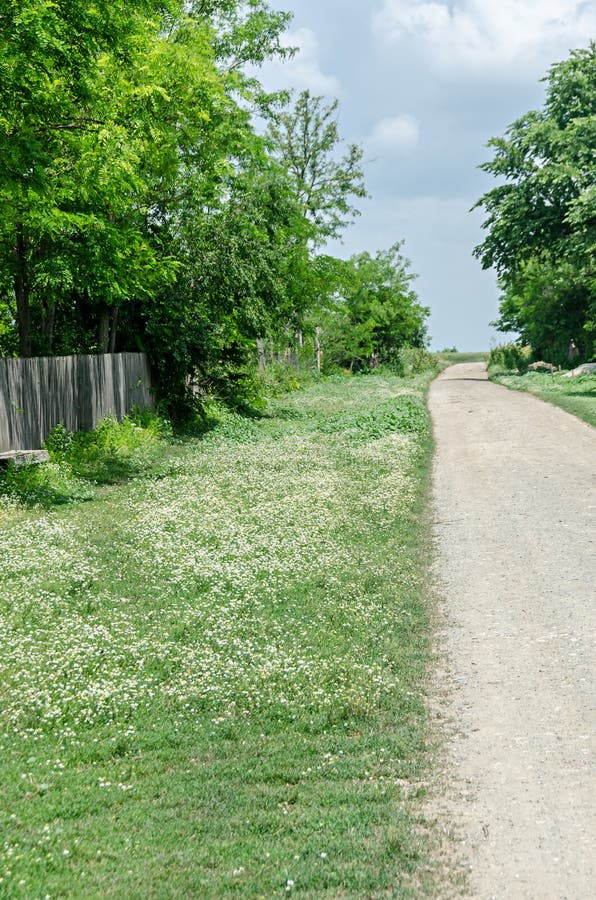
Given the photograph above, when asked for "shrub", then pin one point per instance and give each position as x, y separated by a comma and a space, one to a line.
279, 378
113, 451
509, 358
418, 360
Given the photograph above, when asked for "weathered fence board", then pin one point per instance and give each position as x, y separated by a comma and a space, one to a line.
36, 394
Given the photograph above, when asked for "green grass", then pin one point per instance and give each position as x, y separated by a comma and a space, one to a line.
211, 681
575, 395
455, 357
113, 452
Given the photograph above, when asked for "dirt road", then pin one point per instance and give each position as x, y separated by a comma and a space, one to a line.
514, 494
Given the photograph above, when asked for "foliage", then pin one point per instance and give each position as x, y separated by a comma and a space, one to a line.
113, 451
375, 313
306, 140
231, 699
42, 484
139, 208
405, 414
279, 378
416, 361
541, 220
125, 117
513, 357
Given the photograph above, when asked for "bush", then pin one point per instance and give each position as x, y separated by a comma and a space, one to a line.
416, 360
278, 378
113, 451
509, 358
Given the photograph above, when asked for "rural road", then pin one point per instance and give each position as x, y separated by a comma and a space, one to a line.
514, 503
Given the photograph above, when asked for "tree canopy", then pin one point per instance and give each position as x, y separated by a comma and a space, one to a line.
140, 207
541, 224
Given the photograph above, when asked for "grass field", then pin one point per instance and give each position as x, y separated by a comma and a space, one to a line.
575, 395
455, 357
211, 681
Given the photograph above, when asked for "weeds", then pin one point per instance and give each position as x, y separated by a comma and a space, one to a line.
112, 452
509, 358
212, 683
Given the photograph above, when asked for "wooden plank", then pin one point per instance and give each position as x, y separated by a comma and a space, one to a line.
38, 393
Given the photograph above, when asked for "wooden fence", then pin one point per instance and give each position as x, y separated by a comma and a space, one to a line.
38, 393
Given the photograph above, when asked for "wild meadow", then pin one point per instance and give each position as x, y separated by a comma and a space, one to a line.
211, 678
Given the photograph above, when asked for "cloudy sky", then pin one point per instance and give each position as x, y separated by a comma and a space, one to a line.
423, 86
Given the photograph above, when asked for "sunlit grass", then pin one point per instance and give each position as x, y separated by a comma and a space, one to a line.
211, 682
575, 395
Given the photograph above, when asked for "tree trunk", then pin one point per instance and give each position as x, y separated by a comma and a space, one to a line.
21, 289
113, 329
103, 333
49, 320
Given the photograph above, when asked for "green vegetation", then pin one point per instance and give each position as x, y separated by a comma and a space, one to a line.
510, 358
541, 236
453, 356
141, 210
112, 452
374, 314
575, 395
212, 680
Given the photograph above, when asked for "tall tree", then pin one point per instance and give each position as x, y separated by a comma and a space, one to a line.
114, 118
49, 60
306, 140
541, 223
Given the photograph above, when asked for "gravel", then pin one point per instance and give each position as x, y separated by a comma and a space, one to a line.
514, 504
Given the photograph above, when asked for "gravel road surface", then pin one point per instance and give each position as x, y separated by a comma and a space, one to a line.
514, 502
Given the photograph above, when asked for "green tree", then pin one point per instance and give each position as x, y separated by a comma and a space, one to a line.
375, 313
112, 122
50, 58
541, 222
306, 140
241, 267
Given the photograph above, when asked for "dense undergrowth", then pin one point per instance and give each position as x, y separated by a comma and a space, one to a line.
110, 453
211, 680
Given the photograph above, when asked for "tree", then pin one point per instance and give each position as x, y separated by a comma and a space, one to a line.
541, 221
241, 266
306, 140
375, 313
50, 67
114, 117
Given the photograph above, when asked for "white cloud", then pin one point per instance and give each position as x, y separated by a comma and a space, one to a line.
303, 70
481, 35
394, 135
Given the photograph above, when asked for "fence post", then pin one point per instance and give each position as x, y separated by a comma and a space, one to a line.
318, 351
261, 352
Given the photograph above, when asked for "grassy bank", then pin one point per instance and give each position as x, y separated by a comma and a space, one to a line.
575, 395
211, 680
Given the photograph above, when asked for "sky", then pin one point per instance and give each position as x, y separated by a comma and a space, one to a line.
422, 87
